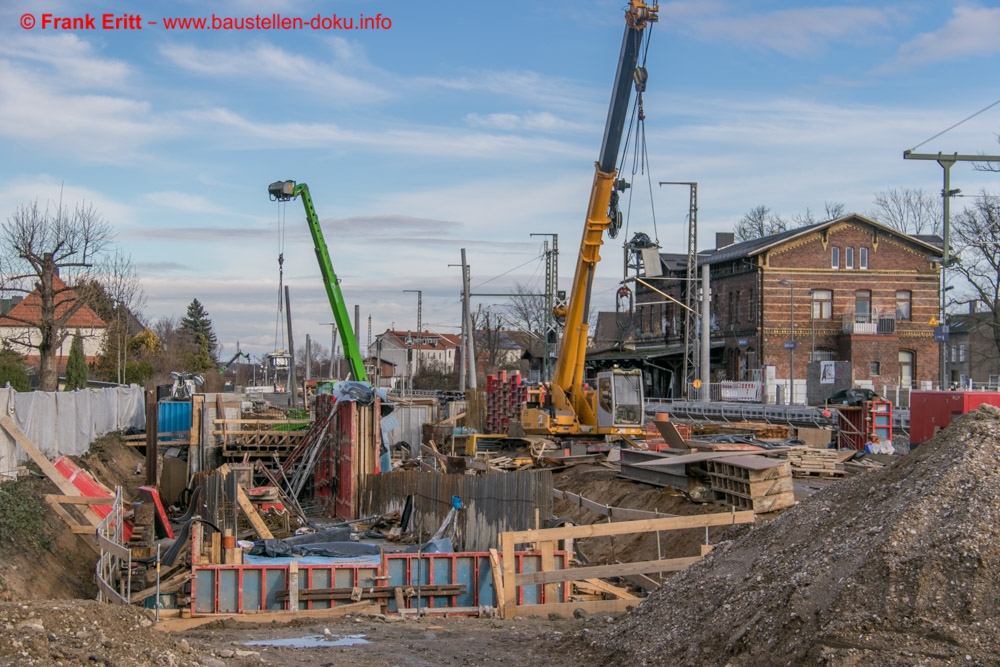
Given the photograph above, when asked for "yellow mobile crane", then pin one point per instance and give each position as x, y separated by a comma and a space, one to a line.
615, 406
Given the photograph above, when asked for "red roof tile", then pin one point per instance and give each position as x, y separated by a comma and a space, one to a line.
30, 310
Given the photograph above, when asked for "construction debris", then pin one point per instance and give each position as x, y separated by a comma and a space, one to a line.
894, 567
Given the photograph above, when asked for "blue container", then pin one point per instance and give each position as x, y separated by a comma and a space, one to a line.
173, 416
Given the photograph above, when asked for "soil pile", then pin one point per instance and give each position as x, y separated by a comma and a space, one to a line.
86, 632
894, 567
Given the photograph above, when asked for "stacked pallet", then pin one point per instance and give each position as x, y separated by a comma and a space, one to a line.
504, 397
807, 461
752, 482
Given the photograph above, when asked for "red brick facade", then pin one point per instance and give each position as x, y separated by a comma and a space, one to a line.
872, 302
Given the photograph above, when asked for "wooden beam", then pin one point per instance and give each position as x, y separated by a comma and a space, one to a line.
78, 500
604, 587
630, 527
152, 430
566, 609
248, 508
548, 564
597, 571
509, 608
182, 624
497, 578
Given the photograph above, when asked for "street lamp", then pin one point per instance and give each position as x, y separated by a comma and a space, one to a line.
791, 343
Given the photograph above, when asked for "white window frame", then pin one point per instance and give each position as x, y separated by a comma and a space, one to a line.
848, 258
863, 259
835, 258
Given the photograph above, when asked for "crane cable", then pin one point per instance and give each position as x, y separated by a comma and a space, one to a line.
281, 277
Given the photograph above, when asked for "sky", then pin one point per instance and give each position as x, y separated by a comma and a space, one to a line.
464, 125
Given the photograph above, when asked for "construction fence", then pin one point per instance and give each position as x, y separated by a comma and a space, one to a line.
66, 422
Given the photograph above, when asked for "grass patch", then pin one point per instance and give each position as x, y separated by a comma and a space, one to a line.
23, 517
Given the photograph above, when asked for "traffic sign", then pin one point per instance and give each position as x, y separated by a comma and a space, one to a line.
789, 344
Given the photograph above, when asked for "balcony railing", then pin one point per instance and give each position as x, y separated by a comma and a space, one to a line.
862, 323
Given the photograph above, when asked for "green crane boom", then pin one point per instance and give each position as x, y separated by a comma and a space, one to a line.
288, 190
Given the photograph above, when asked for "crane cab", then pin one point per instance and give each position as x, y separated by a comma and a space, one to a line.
619, 400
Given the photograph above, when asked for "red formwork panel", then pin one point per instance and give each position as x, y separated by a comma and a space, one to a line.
931, 411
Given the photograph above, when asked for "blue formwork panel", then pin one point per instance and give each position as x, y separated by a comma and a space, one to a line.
204, 586
465, 573
321, 577
252, 589
531, 594
274, 583
485, 593
229, 591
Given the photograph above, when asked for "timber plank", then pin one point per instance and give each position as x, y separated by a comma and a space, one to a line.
244, 502
598, 571
628, 527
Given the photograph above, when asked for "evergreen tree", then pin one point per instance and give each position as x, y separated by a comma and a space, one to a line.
76, 365
12, 370
197, 323
201, 360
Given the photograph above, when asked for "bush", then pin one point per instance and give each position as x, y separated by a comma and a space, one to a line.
22, 517
12, 370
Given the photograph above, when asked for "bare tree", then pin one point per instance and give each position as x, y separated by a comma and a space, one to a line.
834, 209
908, 210
525, 309
53, 253
976, 233
758, 222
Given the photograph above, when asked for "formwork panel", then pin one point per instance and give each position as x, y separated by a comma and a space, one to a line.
229, 591
204, 587
252, 589
320, 577
274, 580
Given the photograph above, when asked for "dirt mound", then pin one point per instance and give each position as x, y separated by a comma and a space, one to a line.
895, 567
86, 632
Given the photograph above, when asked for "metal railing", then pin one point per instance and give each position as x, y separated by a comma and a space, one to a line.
863, 323
114, 566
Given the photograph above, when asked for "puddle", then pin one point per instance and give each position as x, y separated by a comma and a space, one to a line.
311, 641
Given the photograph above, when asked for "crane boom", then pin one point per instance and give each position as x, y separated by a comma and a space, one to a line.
573, 407
288, 190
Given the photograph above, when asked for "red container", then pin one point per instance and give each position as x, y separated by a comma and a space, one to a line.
931, 411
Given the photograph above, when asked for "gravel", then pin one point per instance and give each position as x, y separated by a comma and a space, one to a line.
897, 566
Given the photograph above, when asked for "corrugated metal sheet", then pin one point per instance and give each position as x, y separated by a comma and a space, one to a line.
410, 419
492, 503
173, 416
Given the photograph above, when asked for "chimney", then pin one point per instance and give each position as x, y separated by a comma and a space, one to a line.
722, 239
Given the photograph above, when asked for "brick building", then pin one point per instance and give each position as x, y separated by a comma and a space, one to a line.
971, 352
858, 291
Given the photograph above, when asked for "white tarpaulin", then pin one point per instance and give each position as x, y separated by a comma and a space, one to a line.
67, 422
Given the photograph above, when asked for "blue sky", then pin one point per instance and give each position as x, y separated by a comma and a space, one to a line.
466, 125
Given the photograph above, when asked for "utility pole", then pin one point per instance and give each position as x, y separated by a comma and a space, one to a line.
705, 395
333, 346
551, 291
309, 358
420, 330
690, 363
946, 162
470, 335
291, 346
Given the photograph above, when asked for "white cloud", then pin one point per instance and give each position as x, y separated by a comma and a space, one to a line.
72, 61
793, 32
49, 191
537, 121
92, 128
541, 90
434, 141
971, 31
279, 67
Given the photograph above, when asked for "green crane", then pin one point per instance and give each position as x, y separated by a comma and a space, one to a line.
286, 191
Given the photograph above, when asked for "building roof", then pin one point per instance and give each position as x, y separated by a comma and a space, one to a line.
756, 246
30, 310
426, 341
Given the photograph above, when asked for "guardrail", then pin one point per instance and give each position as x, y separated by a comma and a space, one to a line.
115, 558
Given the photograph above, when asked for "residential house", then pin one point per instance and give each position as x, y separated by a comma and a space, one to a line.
971, 351
408, 350
17, 332
853, 290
